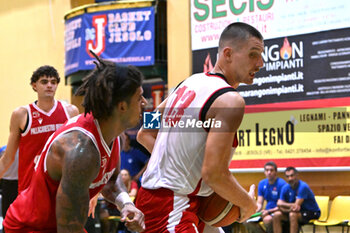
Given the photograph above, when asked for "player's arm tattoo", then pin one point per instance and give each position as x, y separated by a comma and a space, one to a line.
80, 166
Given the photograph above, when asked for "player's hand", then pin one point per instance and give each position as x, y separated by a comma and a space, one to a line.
133, 218
249, 210
92, 206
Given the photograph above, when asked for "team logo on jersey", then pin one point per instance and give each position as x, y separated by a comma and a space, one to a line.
40, 120
36, 114
151, 120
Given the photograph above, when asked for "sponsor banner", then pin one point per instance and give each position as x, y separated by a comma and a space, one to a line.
273, 18
307, 67
314, 138
302, 75
297, 68
125, 36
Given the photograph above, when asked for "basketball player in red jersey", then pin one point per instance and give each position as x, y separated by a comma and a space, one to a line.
31, 125
187, 163
80, 157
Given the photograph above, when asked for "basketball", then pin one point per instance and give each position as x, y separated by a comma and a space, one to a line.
217, 212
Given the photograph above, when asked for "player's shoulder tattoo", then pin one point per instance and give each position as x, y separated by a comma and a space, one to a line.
78, 152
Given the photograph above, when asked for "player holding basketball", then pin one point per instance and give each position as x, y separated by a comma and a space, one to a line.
31, 125
81, 156
187, 163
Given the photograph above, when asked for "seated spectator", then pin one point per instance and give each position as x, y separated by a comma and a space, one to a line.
269, 190
296, 204
132, 159
130, 184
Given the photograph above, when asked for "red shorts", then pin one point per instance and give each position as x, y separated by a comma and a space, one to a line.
167, 212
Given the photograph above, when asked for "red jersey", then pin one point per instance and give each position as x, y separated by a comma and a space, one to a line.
40, 125
34, 208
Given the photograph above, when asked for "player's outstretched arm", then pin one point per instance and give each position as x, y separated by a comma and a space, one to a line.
75, 159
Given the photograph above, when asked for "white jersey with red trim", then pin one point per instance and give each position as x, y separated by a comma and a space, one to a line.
178, 153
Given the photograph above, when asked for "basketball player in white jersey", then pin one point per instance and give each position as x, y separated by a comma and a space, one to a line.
192, 161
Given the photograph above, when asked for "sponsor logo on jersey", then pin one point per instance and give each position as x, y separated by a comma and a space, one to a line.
45, 128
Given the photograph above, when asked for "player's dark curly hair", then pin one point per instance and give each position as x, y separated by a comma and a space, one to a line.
107, 85
48, 71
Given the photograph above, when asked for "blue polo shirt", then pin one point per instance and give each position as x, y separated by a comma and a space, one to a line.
302, 191
270, 192
133, 160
